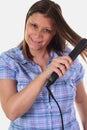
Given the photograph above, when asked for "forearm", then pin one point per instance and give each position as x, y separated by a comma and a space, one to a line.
81, 103
20, 102
82, 110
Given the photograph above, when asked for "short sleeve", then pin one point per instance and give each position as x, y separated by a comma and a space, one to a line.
7, 69
79, 71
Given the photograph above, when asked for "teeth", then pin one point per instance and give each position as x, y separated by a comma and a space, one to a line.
35, 41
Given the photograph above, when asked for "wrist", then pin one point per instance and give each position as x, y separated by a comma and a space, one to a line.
85, 126
47, 74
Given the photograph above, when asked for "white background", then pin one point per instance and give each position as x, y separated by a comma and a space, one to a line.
12, 18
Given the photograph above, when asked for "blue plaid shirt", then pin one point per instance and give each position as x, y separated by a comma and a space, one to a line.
44, 113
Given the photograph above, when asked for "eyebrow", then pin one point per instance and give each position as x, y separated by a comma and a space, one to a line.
37, 24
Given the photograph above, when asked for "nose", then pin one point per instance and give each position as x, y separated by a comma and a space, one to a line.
38, 33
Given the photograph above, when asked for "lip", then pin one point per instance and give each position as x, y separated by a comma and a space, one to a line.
35, 41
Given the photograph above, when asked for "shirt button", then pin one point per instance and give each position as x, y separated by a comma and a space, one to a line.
48, 106
21, 87
52, 90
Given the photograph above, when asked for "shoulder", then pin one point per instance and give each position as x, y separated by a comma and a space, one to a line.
11, 59
12, 55
77, 62
67, 50
9, 62
77, 69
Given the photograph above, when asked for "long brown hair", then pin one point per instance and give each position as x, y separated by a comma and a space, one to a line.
63, 31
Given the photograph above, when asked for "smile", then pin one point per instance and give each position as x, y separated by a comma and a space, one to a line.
35, 41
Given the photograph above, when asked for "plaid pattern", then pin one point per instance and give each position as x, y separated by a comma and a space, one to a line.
44, 113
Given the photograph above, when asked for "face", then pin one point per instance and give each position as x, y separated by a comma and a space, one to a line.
39, 31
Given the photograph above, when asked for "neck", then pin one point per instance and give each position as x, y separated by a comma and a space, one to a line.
39, 54
41, 58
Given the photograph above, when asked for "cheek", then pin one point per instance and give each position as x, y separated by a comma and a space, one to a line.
27, 34
49, 38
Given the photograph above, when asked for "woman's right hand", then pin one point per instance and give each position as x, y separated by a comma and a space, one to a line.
59, 65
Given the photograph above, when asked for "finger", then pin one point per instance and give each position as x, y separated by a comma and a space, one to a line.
65, 61
62, 68
58, 71
68, 59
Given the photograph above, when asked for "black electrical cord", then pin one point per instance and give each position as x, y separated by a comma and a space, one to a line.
51, 94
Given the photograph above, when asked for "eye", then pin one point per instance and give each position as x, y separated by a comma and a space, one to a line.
34, 25
46, 30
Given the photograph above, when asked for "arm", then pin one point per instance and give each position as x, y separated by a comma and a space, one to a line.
14, 103
81, 104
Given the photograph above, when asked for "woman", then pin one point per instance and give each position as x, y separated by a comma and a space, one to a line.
25, 70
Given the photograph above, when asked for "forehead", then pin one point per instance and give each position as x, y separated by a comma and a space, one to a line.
41, 19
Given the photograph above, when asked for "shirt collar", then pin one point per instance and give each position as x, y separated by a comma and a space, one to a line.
18, 55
